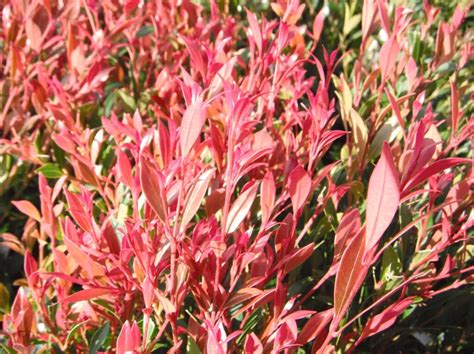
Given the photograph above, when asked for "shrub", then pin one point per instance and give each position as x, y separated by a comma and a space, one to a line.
212, 180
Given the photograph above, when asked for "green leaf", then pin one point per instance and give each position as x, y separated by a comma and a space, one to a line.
99, 337
6, 349
192, 347
73, 330
4, 298
127, 99
50, 170
144, 31
151, 330
391, 266
109, 103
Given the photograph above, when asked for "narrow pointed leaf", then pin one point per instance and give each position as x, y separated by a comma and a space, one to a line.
195, 196
84, 295
240, 208
27, 208
388, 57
349, 277
383, 198
151, 186
314, 326
267, 199
299, 185
191, 125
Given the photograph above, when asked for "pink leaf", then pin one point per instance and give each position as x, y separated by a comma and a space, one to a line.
368, 15
454, 109
383, 198
124, 168
33, 32
191, 125
395, 108
382, 8
165, 302
299, 185
318, 25
388, 56
129, 339
87, 294
255, 30
76, 208
28, 209
30, 265
195, 196
82, 258
240, 208
267, 199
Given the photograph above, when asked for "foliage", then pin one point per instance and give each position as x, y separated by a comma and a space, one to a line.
208, 177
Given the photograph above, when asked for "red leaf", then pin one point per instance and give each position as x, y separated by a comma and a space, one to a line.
30, 265
152, 187
28, 209
298, 257
253, 345
385, 319
346, 231
433, 169
388, 56
242, 295
299, 185
297, 315
349, 277
314, 326
87, 294
191, 125
240, 208
110, 237
383, 198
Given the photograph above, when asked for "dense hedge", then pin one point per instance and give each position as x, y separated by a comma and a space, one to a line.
231, 176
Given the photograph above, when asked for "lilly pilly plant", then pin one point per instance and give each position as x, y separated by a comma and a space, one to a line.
212, 182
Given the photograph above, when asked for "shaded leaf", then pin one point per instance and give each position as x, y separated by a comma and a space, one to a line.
152, 187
